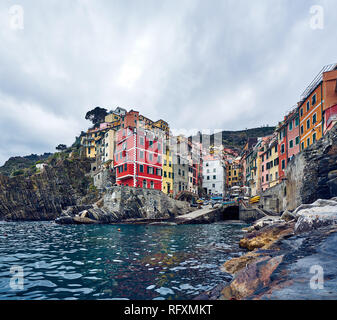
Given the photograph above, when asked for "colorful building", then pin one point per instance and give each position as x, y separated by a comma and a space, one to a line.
293, 134
138, 158
167, 179
312, 105
92, 136
330, 99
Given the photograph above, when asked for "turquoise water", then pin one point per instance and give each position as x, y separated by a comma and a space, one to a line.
100, 262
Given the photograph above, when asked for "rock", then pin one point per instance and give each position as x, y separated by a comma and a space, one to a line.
288, 216
84, 214
319, 214
83, 220
236, 264
255, 276
266, 221
267, 236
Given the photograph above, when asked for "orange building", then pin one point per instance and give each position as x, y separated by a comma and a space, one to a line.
311, 109
330, 99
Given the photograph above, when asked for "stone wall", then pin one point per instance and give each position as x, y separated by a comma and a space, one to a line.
310, 175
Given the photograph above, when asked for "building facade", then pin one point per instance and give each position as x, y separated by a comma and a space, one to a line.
214, 176
138, 158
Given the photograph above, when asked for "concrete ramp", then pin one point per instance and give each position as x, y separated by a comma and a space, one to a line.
209, 215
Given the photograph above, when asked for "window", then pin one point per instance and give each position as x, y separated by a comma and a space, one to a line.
314, 118
262, 168
291, 125
302, 145
125, 167
207, 170
271, 177
291, 143
214, 170
297, 140
262, 179
207, 177
308, 124
214, 177
206, 164
141, 154
313, 99
141, 168
302, 130
282, 148
308, 142
301, 112
159, 159
308, 106
150, 157
283, 164
297, 122
152, 184
179, 172
314, 138
276, 148
213, 185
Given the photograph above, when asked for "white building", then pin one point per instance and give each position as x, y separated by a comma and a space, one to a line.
214, 176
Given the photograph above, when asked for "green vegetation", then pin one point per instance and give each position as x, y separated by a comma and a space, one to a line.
16, 163
237, 139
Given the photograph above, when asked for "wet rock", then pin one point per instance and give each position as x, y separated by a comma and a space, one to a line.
250, 279
266, 236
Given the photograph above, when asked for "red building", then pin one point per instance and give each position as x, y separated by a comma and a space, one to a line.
138, 158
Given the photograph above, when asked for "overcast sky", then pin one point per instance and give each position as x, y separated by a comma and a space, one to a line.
196, 64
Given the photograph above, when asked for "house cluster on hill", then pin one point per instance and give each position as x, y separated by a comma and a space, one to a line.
264, 160
132, 150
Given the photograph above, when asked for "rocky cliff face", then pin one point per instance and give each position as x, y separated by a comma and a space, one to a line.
43, 196
126, 204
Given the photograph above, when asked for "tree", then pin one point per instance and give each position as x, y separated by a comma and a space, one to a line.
96, 115
61, 147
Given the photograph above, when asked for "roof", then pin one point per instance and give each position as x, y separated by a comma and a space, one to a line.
317, 80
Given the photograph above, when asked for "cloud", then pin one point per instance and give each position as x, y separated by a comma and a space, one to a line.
196, 64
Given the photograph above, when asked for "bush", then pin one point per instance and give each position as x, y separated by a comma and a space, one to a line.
16, 173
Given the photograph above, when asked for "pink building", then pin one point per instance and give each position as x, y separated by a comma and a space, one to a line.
293, 133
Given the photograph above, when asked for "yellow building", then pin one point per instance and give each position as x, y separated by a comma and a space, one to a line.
111, 117
233, 173
93, 135
167, 182
163, 125
274, 164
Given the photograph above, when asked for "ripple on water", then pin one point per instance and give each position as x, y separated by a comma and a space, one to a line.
87, 262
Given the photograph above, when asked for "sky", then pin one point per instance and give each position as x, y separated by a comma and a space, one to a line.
220, 64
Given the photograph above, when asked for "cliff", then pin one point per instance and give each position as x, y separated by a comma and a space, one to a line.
64, 189
126, 204
43, 196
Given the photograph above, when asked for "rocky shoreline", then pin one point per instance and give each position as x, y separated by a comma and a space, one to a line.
281, 254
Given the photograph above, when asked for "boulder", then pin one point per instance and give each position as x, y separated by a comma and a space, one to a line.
288, 216
253, 277
267, 236
319, 214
